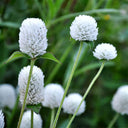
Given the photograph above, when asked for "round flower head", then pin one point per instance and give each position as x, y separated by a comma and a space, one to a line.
120, 100
1, 120
84, 28
36, 87
32, 37
105, 51
26, 120
7, 96
72, 102
53, 94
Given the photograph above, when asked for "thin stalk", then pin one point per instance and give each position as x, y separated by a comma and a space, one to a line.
68, 84
31, 118
52, 117
113, 120
13, 112
86, 93
29, 78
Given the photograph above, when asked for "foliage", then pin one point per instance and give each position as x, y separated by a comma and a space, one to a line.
112, 21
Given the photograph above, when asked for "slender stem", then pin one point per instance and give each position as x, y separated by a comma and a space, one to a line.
13, 112
113, 120
68, 84
52, 117
86, 93
31, 118
29, 78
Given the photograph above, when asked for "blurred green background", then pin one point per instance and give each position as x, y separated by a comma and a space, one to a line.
112, 19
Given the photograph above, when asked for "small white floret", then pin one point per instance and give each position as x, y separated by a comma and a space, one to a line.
120, 100
7, 96
53, 94
71, 103
26, 120
84, 28
32, 37
105, 51
1, 119
36, 87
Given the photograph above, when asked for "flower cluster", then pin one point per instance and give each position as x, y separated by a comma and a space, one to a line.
36, 87
71, 103
26, 120
32, 37
1, 120
120, 100
53, 94
7, 96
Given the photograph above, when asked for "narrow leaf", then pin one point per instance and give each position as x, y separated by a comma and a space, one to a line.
50, 57
35, 108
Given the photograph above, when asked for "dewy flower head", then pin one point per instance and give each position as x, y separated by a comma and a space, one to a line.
26, 120
36, 87
120, 100
53, 94
7, 96
32, 37
105, 51
72, 102
1, 120
84, 28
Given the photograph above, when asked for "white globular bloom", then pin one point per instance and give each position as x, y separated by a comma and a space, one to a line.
84, 28
53, 94
36, 87
7, 96
1, 119
105, 51
71, 103
32, 37
120, 100
26, 120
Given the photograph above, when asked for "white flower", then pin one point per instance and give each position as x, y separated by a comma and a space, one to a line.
7, 96
26, 120
32, 37
53, 94
71, 103
105, 51
1, 120
120, 100
84, 28
36, 87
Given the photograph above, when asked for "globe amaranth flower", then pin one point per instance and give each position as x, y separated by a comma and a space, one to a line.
1, 119
71, 103
105, 51
36, 87
53, 94
7, 96
26, 120
120, 100
84, 28
32, 37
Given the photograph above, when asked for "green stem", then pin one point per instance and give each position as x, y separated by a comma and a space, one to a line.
52, 117
13, 112
68, 84
29, 78
113, 120
31, 118
86, 93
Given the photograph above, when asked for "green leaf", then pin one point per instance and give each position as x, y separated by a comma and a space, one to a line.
35, 108
50, 57
14, 56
